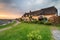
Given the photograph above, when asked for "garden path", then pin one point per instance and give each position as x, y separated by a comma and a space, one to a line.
56, 34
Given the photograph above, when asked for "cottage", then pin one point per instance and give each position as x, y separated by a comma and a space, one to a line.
46, 12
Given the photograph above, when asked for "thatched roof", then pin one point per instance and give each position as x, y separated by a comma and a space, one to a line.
45, 11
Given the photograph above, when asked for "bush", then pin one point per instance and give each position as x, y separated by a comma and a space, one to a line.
34, 21
40, 22
43, 20
34, 35
47, 23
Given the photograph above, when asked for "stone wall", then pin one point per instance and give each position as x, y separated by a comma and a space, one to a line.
59, 19
55, 19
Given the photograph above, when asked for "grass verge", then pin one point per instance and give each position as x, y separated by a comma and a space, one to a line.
25, 31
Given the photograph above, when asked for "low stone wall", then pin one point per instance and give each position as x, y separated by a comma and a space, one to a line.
54, 19
58, 19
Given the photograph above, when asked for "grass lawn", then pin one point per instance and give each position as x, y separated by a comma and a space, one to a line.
7, 25
58, 26
25, 31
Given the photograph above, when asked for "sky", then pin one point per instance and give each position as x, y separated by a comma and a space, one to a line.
17, 8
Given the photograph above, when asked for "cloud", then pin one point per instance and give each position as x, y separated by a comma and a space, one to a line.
9, 9
27, 5
35, 4
5, 1
39, 4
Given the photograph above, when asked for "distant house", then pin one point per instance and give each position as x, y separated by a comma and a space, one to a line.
46, 12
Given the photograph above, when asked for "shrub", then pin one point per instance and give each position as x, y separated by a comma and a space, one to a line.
34, 21
43, 20
34, 35
40, 22
47, 23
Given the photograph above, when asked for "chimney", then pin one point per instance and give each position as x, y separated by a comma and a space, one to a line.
30, 11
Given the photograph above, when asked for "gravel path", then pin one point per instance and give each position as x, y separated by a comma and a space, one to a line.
56, 34
9, 27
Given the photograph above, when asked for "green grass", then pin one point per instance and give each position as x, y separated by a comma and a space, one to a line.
25, 31
58, 26
7, 25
